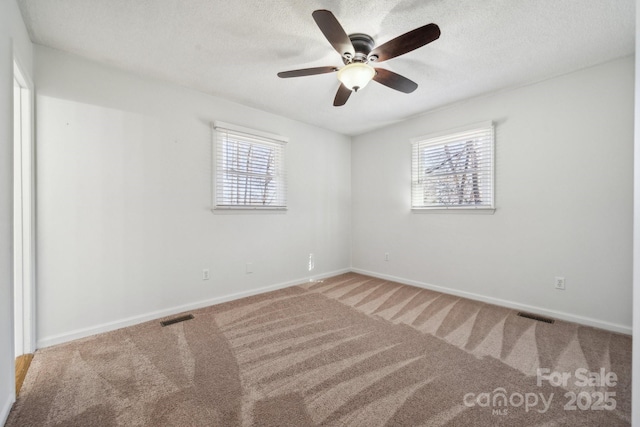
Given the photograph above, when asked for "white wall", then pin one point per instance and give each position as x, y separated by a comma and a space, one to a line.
14, 42
124, 196
564, 154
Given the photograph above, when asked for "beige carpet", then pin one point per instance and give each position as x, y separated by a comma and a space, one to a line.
351, 350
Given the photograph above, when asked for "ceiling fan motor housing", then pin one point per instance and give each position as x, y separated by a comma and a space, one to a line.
363, 45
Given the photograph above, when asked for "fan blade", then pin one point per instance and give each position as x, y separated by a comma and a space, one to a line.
394, 80
342, 96
334, 32
307, 72
406, 42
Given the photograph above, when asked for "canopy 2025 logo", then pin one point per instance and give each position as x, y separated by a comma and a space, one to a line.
500, 400
581, 377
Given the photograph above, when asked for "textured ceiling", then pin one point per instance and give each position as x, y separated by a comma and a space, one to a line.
234, 49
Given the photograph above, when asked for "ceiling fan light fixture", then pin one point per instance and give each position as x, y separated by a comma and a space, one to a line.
356, 75
357, 51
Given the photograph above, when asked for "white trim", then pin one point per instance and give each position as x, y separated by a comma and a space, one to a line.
134, 320
260, 209
635, 293
588, 321
6, 408
459, 129
18, 215
249, 131
27, 222
248, 210
451, 209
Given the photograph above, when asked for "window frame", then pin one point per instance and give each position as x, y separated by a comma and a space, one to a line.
257, 138
433, 140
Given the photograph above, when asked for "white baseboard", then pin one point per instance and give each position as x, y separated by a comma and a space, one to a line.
134, 320
588, 321
6, 408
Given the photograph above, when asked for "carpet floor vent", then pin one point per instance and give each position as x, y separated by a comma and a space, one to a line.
536, 317
176, 320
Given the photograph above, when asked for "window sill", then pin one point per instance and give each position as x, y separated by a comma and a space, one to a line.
247, 210
452, 210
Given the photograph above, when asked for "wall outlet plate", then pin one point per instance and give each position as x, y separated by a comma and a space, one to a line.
205, 274
560, 282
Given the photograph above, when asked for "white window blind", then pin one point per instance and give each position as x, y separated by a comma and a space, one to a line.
249, 169
454, 171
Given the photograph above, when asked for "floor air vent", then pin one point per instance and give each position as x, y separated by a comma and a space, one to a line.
177, 320
536, 317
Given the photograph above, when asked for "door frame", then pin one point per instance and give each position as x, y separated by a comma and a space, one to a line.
24, 214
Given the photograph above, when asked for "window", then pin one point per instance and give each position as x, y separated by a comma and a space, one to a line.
249, 169
454, 170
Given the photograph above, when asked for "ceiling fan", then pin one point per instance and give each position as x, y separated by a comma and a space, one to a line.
358, 51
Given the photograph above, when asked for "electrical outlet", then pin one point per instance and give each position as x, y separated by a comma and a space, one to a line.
205, 274
386, 256
249, 268
559, 281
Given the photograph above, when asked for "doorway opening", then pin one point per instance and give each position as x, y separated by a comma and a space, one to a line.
23, 220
